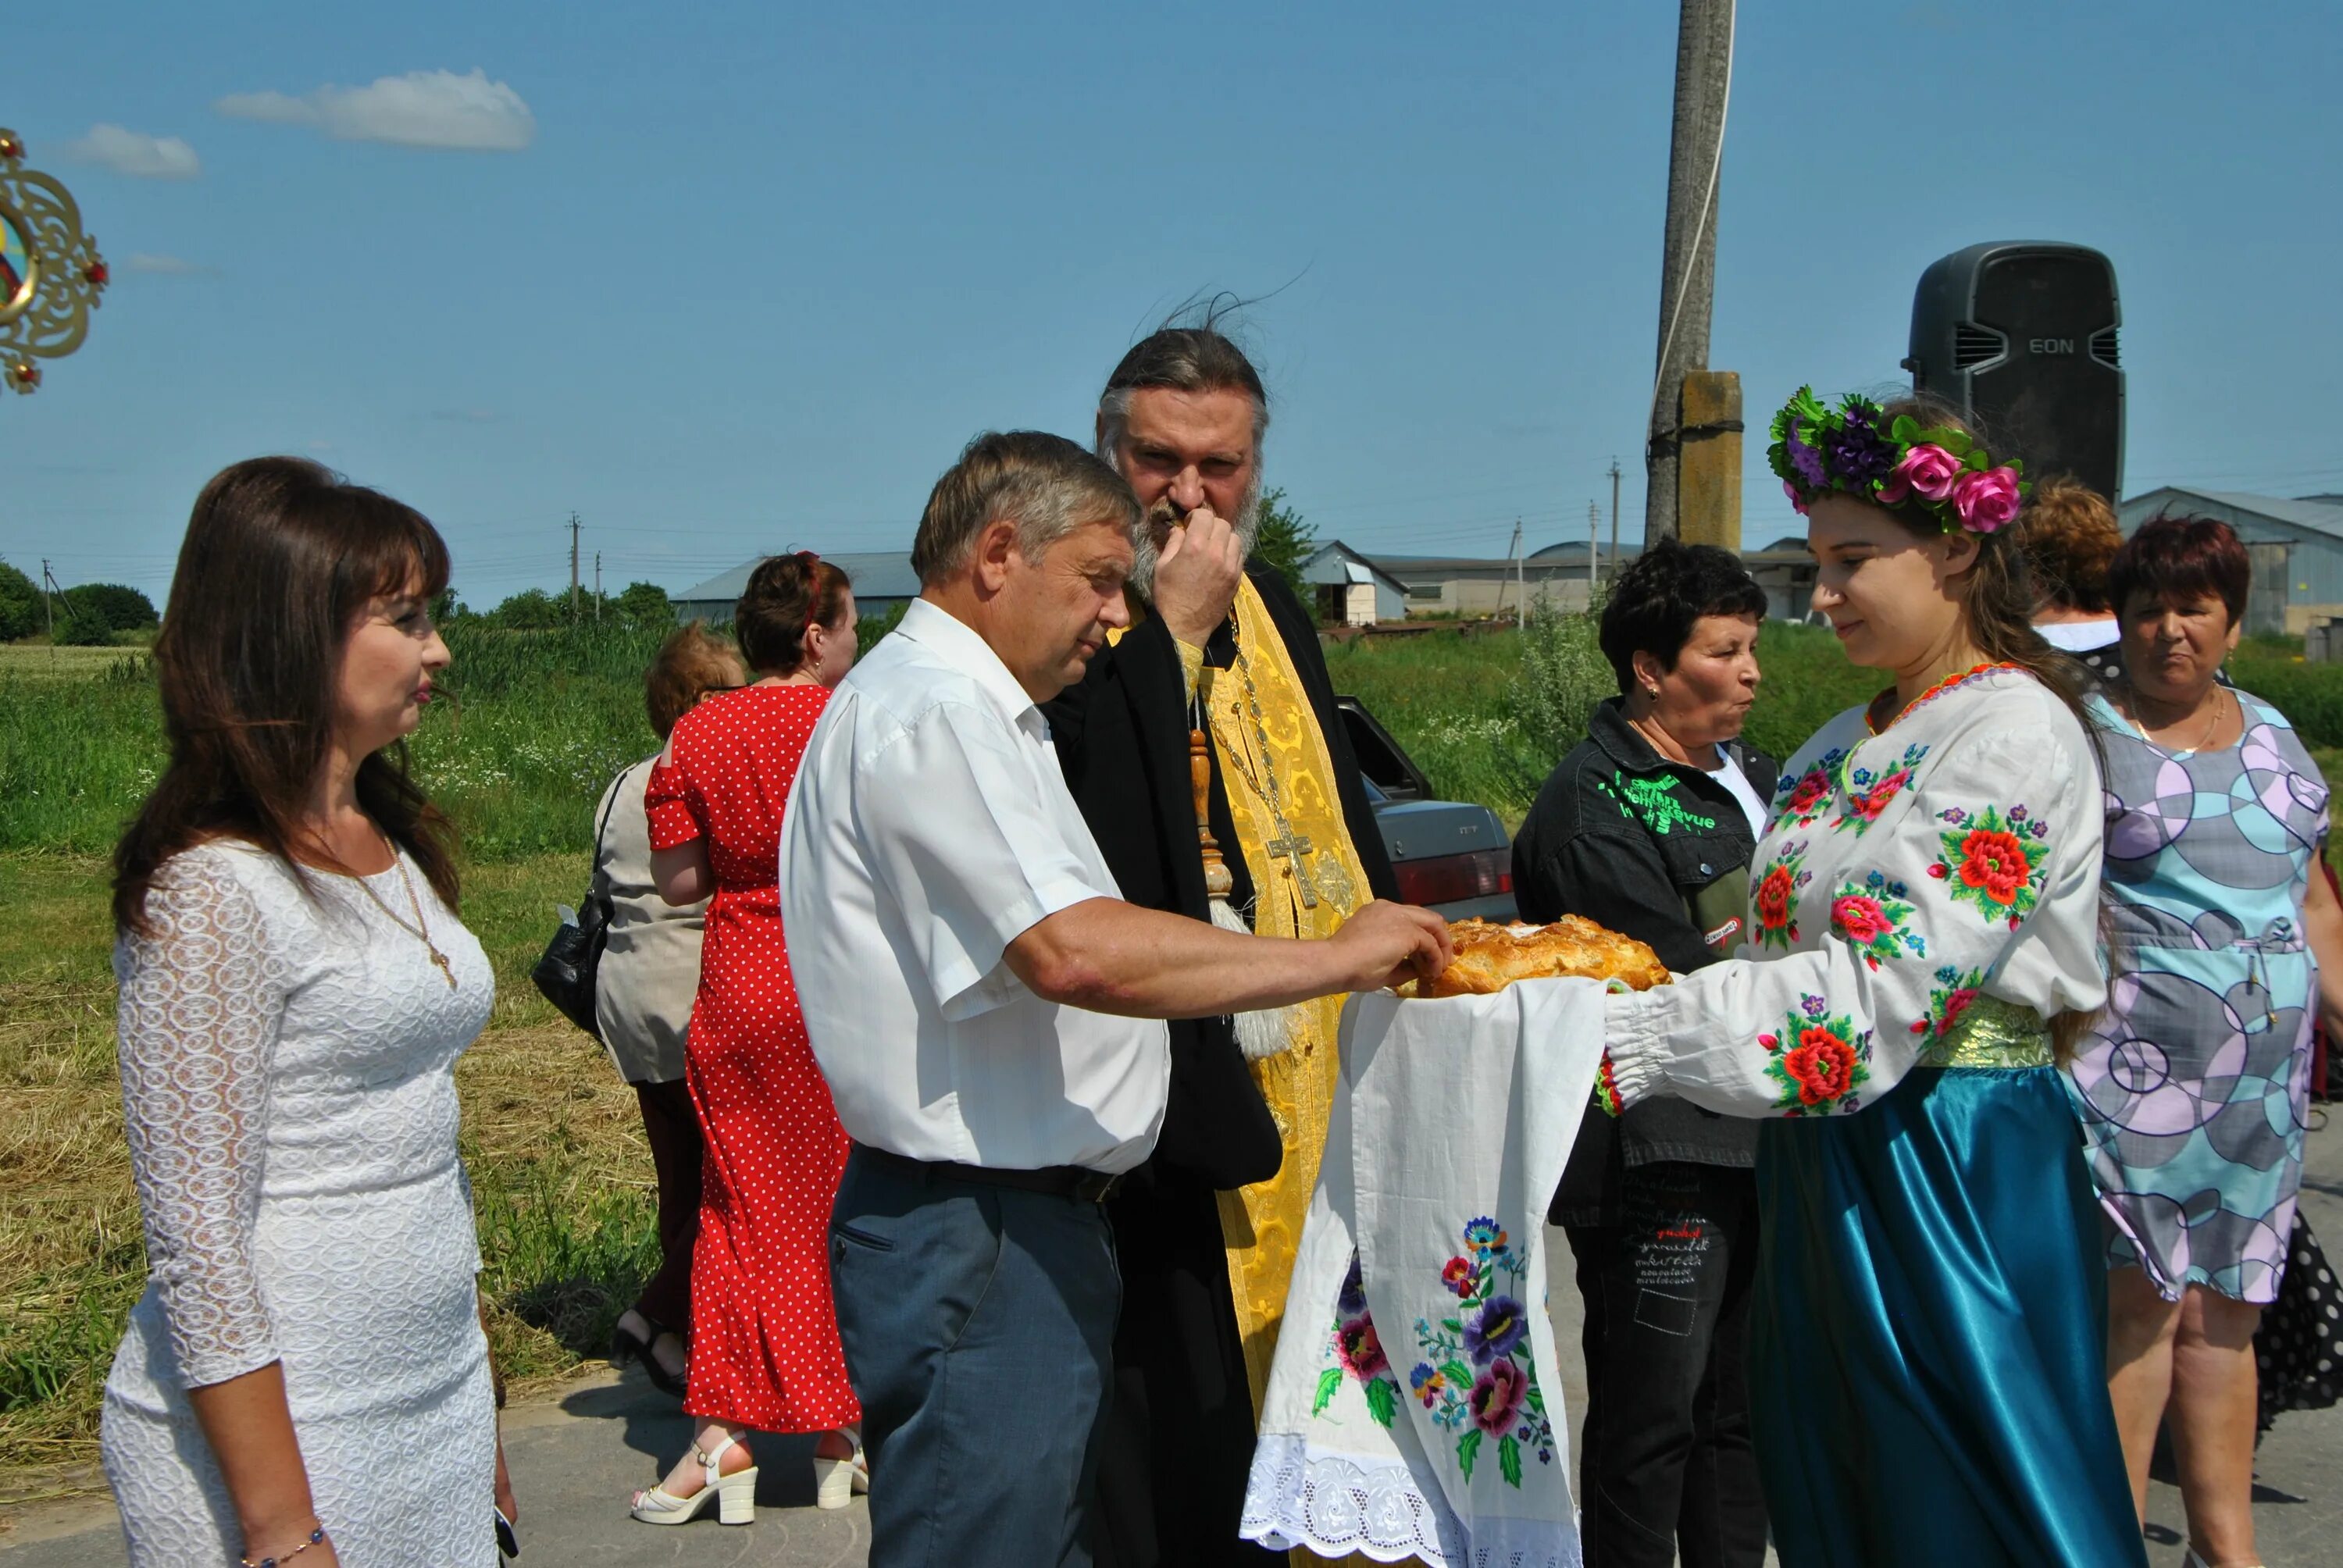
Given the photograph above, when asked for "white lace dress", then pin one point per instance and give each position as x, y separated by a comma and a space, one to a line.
288, 1091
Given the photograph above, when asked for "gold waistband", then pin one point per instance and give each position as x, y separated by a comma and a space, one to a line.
1992, 1033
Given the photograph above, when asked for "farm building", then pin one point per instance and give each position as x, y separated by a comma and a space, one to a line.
1555, 577
882, 579
1351, 590
2297, 545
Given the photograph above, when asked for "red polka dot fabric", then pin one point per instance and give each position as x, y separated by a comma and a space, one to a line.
764, 1334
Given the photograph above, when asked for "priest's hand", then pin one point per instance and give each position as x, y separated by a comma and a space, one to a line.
1387, 943
1196, 576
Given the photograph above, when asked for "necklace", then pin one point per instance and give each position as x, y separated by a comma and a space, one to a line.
2211, 724
419, 931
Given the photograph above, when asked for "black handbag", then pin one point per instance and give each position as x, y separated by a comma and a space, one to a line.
572, 958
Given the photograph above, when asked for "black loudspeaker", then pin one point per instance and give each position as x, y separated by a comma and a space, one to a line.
2021, 334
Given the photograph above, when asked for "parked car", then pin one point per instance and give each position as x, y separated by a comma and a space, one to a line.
1451, 857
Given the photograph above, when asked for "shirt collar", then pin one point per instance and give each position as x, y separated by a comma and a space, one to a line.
955, 642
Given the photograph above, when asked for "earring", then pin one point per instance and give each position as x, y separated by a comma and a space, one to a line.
1651, 691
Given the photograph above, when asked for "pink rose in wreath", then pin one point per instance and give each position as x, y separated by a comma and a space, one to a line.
1988, 501
1928, 471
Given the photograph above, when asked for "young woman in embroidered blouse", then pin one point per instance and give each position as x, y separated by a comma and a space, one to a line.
1925, 1351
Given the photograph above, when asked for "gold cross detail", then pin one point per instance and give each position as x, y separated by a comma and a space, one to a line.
1293, 847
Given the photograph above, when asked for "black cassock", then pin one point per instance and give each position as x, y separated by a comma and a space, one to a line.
1179, 1425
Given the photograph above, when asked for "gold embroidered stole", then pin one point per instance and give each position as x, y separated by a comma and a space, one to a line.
1261, 1224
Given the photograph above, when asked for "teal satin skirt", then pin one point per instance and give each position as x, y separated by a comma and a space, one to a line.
1926, 1357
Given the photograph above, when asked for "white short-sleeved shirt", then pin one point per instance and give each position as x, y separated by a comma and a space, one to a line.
929, 828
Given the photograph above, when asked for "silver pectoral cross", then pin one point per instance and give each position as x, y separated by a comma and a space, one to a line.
1293, 847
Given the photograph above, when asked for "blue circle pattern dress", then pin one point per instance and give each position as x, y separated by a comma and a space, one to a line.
2194, 1086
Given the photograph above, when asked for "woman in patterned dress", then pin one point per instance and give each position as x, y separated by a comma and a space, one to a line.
2194, 1081
765, 1355
1925, 1357
305, 1378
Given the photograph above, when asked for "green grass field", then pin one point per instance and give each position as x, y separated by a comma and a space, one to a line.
539, 723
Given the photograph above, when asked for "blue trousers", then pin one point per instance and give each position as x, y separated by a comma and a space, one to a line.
978, 1323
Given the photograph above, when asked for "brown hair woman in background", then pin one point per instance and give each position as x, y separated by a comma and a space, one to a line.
306, 1371
765, 1355
643, 992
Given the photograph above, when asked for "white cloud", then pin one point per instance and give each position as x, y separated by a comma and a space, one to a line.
173, 264
420, 109
135, 153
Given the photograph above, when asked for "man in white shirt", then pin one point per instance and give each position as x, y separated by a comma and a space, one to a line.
975, 990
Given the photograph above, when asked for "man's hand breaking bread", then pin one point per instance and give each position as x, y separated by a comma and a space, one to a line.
1387, 944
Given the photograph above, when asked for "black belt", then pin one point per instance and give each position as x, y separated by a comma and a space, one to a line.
1076, 1181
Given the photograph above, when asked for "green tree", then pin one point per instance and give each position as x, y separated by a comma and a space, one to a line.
531, 609
122, 609
82, 626
1284, 541
21, 612
644, 605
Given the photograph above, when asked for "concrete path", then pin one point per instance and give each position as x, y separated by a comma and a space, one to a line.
576, 1454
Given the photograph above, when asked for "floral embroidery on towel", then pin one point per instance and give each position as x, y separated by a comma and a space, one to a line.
1871, 916
1820, 1060
1478, 1378
1357, 1351
1773, 897
1997, 863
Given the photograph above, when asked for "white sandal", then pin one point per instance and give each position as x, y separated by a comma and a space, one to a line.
836, 1481
735, 1494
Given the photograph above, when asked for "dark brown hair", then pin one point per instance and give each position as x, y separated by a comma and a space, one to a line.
786, 596
2180, 558
2070, 537
281, 559
692, 662
1664, 591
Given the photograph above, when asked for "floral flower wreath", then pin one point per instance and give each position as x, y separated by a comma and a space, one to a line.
1943, 473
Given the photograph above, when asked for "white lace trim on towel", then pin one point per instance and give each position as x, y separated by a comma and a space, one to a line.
1334, 1505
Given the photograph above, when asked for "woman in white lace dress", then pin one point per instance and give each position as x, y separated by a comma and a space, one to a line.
305, 1379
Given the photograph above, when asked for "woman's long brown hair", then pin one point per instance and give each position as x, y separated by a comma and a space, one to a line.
281, 559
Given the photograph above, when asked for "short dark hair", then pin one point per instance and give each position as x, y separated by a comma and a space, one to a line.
2173, 559
1653, 606
1044, 484
1198, 358
786, 594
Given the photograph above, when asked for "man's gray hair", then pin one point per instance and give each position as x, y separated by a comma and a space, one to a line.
1186, 359
1045, 484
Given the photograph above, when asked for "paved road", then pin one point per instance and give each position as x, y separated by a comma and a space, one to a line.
576, 1454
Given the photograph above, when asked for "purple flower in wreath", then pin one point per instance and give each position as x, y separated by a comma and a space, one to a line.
1497, 1398
1499, 1328
1856, 451
1806, 458
1459, 1276
1354, 1299
1360, 1349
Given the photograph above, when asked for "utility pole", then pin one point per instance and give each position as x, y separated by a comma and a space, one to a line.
1615, 518
597, 585
1688, 252
50, 581
1521, 586
1593, 551
573, 566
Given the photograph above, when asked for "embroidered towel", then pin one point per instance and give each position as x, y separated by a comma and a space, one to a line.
1413, 1407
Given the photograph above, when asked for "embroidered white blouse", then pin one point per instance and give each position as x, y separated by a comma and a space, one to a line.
1901, 876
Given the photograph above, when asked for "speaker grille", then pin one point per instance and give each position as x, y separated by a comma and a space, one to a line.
1974, 345
2103, 348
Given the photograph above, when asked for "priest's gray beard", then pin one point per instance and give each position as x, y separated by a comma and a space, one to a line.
1163, 516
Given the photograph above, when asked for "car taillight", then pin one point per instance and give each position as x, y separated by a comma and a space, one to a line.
1449, 879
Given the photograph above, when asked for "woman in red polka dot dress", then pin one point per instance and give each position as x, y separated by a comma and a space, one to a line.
764, 1336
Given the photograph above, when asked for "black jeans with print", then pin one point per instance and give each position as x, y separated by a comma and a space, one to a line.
1667, 1470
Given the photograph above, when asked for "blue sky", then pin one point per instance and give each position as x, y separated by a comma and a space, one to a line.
731, 277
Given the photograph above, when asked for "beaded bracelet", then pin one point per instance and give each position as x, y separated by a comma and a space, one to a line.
316, 1537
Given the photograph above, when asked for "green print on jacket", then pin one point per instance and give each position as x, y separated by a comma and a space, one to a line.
1652, 800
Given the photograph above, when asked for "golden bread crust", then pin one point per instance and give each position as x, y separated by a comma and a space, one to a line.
1490, 957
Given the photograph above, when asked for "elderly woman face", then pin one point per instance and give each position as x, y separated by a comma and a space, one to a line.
2173, 645
1705, 698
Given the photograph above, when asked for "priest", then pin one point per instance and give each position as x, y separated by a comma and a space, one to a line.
1206, 752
